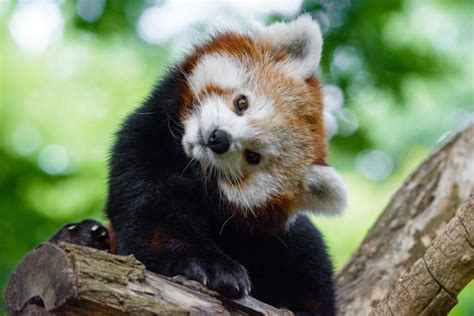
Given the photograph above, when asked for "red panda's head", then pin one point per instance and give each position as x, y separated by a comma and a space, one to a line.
253, 114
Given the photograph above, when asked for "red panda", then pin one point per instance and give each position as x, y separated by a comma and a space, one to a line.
272, 74
210, 178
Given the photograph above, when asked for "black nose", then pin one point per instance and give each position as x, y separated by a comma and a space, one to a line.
219, 141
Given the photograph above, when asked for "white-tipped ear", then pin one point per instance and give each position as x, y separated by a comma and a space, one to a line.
300, 40
325, 192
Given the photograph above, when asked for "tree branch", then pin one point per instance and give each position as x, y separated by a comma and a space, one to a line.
431, 285
56, 279
419, 211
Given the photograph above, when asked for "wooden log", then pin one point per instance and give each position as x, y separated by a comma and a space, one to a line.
419, 211
431, 285
76, 280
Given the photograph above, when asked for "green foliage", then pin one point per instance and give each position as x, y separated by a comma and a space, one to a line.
405, 70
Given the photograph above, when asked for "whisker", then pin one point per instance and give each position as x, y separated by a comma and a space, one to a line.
171, 132
187, 165
222, 228
284, 243
177, 123
147, 113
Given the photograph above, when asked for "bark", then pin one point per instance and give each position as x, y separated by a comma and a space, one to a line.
418, 212
431, 285
411, 262
75, 280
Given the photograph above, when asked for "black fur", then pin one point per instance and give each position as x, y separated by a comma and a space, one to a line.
152, 192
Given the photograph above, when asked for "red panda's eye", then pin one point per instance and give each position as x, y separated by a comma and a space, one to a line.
241, 103
252, 157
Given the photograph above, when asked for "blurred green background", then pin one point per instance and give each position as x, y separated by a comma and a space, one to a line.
398, 76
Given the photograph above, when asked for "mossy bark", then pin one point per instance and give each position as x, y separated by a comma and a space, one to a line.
75, 280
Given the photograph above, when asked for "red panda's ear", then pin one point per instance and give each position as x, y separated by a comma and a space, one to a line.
300, 40
325, 192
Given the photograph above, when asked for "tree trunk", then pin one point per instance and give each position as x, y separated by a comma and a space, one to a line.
418, 212
411, 262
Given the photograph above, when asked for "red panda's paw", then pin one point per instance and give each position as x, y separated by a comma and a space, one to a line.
87, 233
221, 274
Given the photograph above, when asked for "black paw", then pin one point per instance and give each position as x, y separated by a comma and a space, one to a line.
223, 275
86, 233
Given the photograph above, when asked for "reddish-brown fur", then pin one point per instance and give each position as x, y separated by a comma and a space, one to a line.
214, 90
158, 238
112, 239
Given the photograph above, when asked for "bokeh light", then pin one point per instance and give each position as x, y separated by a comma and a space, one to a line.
375, 165
36, 24
165, 20
53, 159
90, 10
25, 139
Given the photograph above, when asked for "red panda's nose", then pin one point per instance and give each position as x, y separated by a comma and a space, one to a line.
219, 141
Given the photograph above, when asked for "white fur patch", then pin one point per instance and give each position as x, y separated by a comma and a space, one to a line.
301, 40
325, 191
222, 70
191, 135
256, 191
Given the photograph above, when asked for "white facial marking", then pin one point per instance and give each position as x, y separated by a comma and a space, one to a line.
222, 70
255, 192
191, 136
